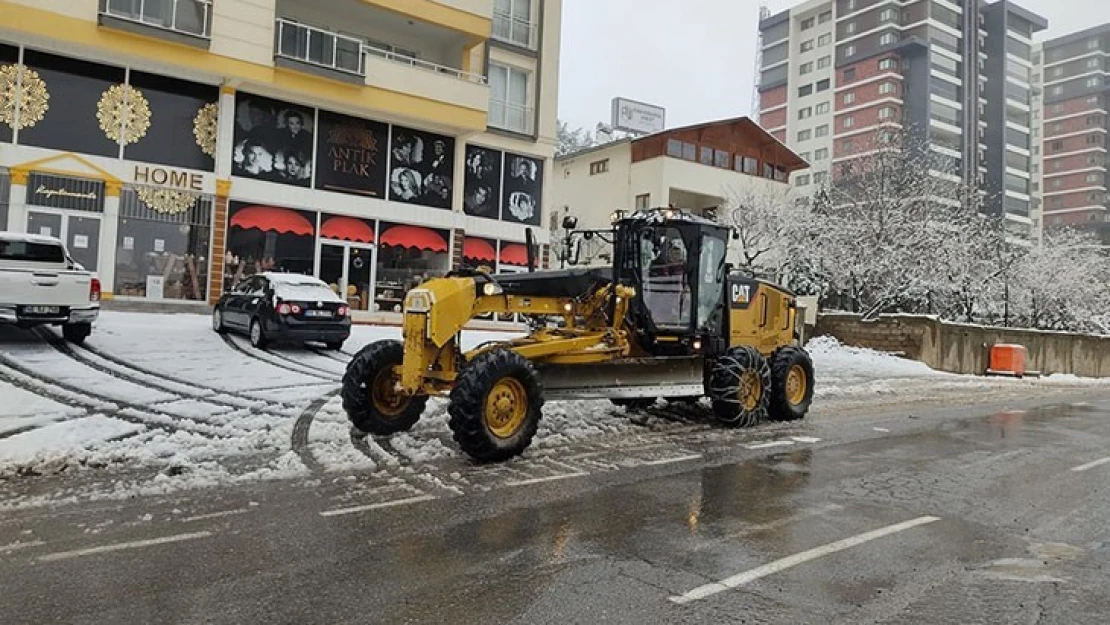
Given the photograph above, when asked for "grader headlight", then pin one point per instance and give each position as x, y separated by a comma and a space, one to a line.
492, 288
418, 301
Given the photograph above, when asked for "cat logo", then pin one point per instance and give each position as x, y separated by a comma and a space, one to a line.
741, 293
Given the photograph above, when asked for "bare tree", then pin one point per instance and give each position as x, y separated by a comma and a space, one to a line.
570, 140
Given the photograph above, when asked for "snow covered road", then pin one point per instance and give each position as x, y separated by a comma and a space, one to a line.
166, 394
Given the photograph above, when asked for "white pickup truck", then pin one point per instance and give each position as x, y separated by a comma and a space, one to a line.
40, 284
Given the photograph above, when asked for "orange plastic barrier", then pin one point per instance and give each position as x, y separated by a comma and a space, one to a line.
1007, 359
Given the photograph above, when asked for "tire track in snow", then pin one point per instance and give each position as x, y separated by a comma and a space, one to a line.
300, 368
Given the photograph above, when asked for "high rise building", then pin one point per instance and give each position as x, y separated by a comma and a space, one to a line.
1074, 71
839, 77
179, 146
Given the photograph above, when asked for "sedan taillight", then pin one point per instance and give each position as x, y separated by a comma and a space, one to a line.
94, 290
296, 309
343, 311
284, 309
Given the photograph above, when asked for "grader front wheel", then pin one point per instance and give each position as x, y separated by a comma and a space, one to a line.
740, 387
496, 406
370, 398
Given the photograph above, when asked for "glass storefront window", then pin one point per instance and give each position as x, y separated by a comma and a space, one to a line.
5, 195
268, 238
407, 256
162, 244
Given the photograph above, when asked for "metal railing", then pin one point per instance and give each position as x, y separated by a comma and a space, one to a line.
190, 17
406, 59
510, 116
320, 47
515, 30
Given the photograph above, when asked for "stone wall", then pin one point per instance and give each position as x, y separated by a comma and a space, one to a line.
964, 348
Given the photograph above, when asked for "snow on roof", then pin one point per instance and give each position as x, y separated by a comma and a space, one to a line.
299, 287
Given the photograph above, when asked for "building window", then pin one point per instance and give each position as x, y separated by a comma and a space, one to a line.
822, 130
888, 64
805, 90
674, 148
746, 164
850, 51
886, 15
804, 156
821, 177
849, 98
512, 22
599, 167
821, 154
822, 108
824, 40
805, 135
508, 109
801, 180
805, 113
848, 122
808, 23
849, 74
805, 68
1092, 63
643, 201
172, 247
807, 45
1092, 44
888, 39
824, 17
1057, 90
689, 151
721, 158
1091, 101
848, 146
850, 28
886, 112
824, 62
1094, 178
705, 156
886, 88
1093, 82
823, 85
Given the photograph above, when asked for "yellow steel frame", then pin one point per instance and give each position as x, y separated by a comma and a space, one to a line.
436, 312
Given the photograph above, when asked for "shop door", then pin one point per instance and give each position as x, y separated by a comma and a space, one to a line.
81, 234
348, 269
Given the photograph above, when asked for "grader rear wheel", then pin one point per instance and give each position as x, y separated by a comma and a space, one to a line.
740, 386
496, 406
791, 384
369, 391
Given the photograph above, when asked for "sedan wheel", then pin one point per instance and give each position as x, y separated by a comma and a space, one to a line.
257, 339
218, 321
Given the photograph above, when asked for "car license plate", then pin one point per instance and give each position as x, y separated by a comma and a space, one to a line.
42, 310
317, 313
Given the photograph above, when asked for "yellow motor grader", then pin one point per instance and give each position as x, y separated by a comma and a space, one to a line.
668, 320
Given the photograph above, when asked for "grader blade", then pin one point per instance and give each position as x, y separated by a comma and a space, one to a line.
624, 378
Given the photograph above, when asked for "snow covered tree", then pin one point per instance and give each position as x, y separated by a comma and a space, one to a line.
1062, 284
570, 140
770, 224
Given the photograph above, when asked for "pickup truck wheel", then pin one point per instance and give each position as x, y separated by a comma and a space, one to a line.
218, 321
258, 338
76, 332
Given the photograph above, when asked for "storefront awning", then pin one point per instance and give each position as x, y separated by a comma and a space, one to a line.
479, 249
514, 254
414, 236
347, 229
270, 218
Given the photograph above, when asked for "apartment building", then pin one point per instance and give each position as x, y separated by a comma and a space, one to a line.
179, 146
841, 77
698, 168
1074, 71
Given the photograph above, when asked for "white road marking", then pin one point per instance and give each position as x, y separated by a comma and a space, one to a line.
215, 515
770, 444
805, 439
65, 555
746, 577
16, 546
653, 463
1091, 465
551, 478
377, 506
880, 429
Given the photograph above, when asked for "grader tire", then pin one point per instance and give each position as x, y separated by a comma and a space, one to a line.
791, 384
740, 386
368, 400
496, 406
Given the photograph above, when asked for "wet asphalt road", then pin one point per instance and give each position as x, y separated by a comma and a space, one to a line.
981, 516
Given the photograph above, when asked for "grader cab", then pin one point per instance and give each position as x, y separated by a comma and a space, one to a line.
667, 320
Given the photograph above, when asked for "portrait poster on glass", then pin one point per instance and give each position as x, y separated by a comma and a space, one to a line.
351, 155
482, 184
520, 198
421, 167
273, 140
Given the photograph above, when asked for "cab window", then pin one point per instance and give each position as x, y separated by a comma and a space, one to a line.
664, 279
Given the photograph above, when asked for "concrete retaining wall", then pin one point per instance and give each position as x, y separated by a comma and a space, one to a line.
963, 348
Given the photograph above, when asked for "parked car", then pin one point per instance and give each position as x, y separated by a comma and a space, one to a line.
41, 284
283, 307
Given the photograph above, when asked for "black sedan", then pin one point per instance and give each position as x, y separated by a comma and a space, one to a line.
284, 307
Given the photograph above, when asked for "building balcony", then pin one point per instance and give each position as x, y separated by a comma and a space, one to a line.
515, 30
511, 117
380, 50
469, 17
181, 21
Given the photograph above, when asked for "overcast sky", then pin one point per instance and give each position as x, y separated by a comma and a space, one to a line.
696, 58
